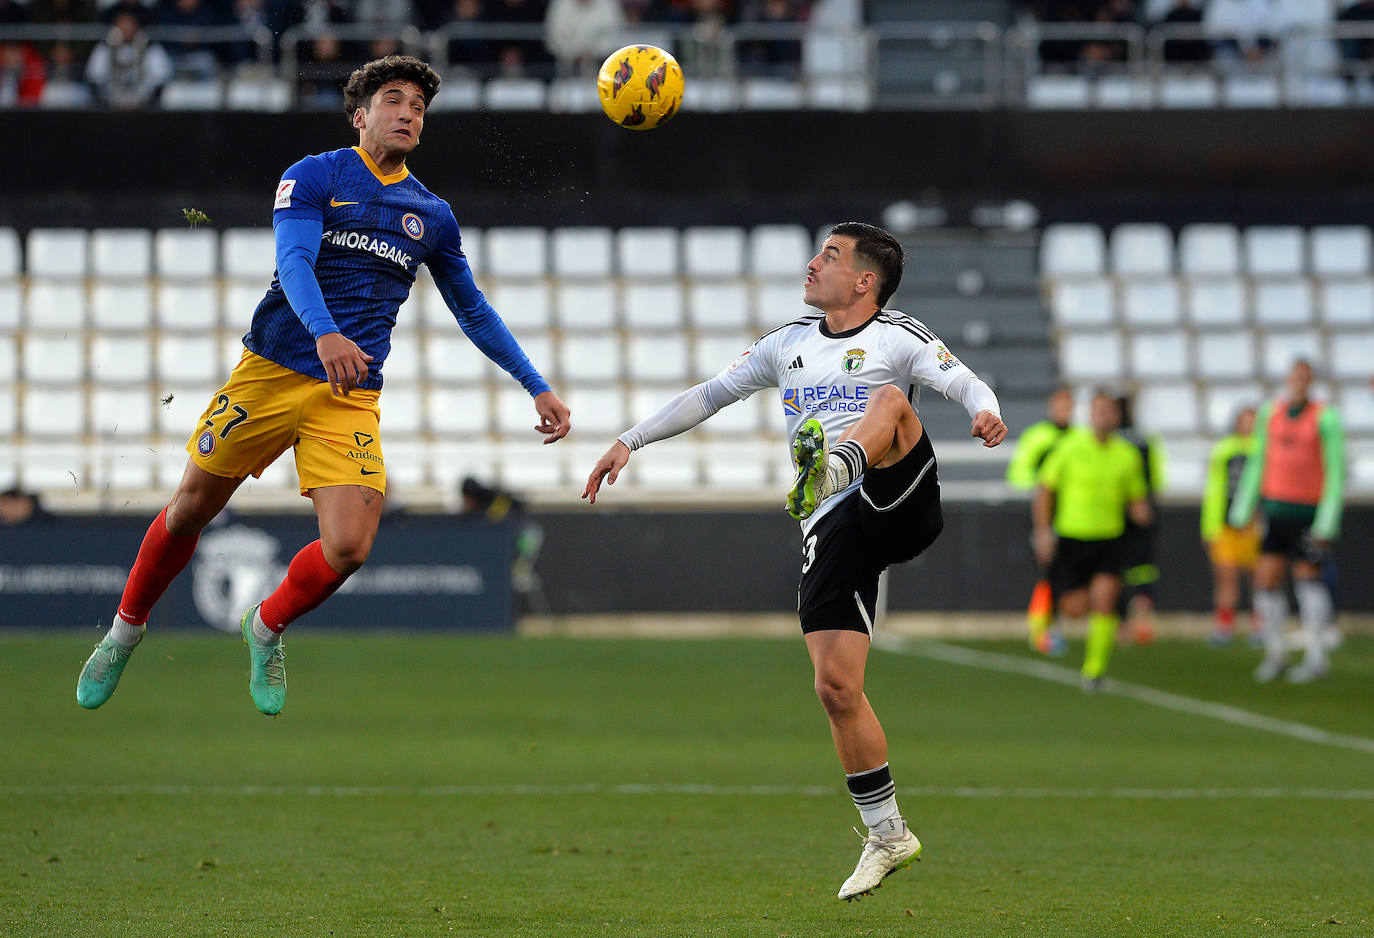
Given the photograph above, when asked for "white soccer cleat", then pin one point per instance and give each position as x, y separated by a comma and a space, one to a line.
1269, 669
1307, 671
880, 859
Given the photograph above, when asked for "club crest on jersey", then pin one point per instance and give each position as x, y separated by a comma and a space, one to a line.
206, 444
853, 360
413, 226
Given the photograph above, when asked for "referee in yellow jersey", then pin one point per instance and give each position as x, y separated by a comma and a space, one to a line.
1087, 485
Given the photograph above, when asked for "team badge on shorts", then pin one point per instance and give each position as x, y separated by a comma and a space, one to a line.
413, 226
853, 360
206, 444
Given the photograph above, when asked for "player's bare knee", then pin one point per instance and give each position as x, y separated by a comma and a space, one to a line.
346, 557
836, 694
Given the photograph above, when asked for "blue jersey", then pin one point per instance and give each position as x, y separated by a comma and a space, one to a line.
374, 231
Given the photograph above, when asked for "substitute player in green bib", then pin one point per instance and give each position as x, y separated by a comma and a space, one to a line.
1089, 483
1232, 551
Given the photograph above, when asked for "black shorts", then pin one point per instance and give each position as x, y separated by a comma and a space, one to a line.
892, 518
1077, 562
1293, 539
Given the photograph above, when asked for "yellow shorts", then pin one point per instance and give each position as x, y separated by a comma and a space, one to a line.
265, 408
1236, 547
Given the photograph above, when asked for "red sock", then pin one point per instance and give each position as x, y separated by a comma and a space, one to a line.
310, 580
1226, 620
162, 556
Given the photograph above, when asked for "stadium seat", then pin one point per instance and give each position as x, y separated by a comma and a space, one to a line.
54, 464
1356, 404
121, 305
589, 358
573, 96
1123, 92
1340, 250
1221, 403
1209, 249
1150, 302
460, 93
1091, 356
9, 358
278, 477
230, 350
736, 468
1274, 250
523, 304
187, 358
839, 93
57, 252
54, 412
191, 305
9, 407
586, 304
714, 251
406, 466
1142, 250
780, 251
516, 417
670, 466
461, 412
652, 304
121, 358
1225, 356
1053, 92
1216, 301
1285, 302
582, 252
55, 304
116, 465
452, 359
403, 409
1083, 301
647, 252
403, 361
655, 356
771, 94
1352, 355
1278, 351
1072, 250
11, 306
410, 315
742, 419
11, 261
1184, 90
516, 252
249, 253
122, 412
54, 357
718, 304
711, 352
179, 406
1156, 355
63, 95
241, 299
712, 94
1167, 408
473, 242
258, 94
777, 302
542, 468
184, 95
1347, 302
121, 252
598, 409
1251, 91
436, 316
514, 94
186, 252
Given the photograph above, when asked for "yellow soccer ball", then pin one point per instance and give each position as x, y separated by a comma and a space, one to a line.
640, 87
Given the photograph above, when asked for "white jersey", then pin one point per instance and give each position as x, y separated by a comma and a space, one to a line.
829, 376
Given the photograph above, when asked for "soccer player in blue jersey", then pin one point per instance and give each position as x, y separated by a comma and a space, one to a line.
352, 227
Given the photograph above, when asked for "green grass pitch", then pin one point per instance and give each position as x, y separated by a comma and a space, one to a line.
429, 786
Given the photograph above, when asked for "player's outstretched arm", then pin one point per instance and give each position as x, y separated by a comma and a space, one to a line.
344, 362
607, 467
555, 420
989, 428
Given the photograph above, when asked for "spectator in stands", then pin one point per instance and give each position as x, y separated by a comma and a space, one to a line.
463, 51
65, 57
778, 57
192, 59
701, 52
520, 56
394, 13
323, 71
110, 11
126, 70
1099, 51
1232, 551
22, 74
19, 507
1358, 50
1244, 29
12, 13
581, 33
250, 14
1185, 13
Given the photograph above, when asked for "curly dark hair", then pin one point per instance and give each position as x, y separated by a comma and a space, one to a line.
364, 82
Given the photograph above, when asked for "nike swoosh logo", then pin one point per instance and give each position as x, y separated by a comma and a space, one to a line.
336, 203
369, 472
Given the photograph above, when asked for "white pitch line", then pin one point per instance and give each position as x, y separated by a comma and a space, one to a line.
807, 791
1011, 664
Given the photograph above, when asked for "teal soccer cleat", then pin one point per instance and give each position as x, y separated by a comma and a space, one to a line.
100, 676
266, 668
809, 455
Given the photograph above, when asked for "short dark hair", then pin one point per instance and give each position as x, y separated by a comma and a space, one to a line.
877, 247
366, 81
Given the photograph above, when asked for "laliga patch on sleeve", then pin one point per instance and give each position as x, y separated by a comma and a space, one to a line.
741, 359
284, 193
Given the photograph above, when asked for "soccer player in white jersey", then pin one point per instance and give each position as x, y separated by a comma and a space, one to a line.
850, 374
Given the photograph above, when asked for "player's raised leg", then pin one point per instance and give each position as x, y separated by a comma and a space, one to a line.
349, 515
839, 658
166, 549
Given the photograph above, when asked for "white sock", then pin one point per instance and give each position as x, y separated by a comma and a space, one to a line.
1271, 610
846, 462
260, 630
1314, 609
125, 632
875, 796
